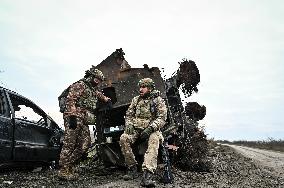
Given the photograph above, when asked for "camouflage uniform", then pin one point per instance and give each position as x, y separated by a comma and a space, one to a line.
81, 102
140, 116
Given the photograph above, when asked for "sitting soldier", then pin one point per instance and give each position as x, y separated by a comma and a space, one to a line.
145, 116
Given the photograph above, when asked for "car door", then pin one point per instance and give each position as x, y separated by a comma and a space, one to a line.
31, 134
6, 128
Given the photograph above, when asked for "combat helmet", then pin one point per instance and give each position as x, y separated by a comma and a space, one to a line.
95, 72
146, 82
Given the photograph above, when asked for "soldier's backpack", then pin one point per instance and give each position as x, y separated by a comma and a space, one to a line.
62, 100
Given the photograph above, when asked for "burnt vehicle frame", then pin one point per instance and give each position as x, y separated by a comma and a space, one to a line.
121, 86
28, 136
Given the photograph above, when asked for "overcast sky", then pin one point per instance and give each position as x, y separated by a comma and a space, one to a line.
238, 46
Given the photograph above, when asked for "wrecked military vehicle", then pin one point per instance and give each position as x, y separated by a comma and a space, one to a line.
28, 136
186, 142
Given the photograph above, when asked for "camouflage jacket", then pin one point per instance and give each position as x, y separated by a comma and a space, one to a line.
139, 112
82, 98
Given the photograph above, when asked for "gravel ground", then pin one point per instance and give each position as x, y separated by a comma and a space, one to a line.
230, 169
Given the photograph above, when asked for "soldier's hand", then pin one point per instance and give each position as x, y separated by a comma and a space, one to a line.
146, 133
129, 129
72, 122
106, 99
109, 104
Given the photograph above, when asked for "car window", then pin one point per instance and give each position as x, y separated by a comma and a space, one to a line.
26, 110
49, 123
3, 105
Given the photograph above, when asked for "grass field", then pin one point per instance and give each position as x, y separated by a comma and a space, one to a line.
269, 144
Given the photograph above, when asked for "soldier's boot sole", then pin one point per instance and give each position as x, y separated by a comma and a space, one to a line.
149, 184
147, 180
62, 173
69, 177
73, 177
130, 177
131, 173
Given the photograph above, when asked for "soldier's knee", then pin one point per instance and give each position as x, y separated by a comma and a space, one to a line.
154, 139
124, 138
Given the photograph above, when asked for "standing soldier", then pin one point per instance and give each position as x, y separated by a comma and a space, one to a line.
145, 116
79, 113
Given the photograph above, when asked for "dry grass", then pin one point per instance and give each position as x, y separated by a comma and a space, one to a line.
269, 144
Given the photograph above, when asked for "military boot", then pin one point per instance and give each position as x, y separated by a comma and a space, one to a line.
147, 179
67, 173
63, 172
131, 173
72, 174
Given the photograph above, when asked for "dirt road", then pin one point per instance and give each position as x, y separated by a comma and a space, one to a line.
272, 159
229, 169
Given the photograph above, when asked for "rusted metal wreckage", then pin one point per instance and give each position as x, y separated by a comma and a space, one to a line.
38, 140
121, 86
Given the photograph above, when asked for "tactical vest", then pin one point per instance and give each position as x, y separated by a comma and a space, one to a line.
153, 107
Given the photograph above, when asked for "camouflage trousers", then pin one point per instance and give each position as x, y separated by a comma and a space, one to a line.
151, 154
75, 143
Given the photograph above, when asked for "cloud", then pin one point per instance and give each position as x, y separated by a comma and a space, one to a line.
237, 45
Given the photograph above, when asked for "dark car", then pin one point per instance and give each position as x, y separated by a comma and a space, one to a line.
27, 134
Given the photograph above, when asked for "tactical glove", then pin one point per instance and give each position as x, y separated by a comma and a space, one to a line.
72, 122
129, 129
146, 133
108, 105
